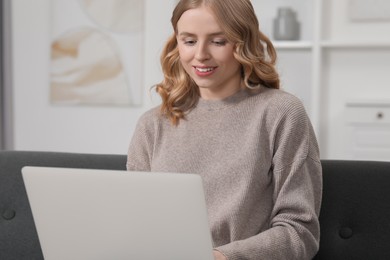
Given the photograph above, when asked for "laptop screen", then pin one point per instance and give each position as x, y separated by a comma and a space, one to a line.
105, 214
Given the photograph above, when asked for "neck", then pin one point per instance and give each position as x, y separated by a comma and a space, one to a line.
211, 94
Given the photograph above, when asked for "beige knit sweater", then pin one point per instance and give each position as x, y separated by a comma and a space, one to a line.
259, 160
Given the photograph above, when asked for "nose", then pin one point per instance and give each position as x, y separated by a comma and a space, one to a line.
202, 52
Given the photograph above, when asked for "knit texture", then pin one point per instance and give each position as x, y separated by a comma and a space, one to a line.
259, 160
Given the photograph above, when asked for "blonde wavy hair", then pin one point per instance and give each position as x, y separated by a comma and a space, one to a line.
253, 50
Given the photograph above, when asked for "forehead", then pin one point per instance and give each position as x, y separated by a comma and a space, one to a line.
198, 21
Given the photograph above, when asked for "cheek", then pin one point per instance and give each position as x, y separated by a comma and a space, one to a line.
230, 63
228, 56
185, 55
185, 61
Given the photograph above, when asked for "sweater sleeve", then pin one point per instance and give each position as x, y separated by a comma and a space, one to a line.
140, 151
297, 182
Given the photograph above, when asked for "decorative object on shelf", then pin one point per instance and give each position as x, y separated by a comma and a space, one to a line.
286, 26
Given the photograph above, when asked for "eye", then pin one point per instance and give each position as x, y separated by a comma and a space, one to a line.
189, 42
219, 42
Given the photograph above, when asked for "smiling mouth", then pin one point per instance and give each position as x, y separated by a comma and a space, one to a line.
204, 70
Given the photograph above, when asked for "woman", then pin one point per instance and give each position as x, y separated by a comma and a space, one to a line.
223, 117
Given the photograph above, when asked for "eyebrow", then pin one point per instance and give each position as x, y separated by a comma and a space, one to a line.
191, 34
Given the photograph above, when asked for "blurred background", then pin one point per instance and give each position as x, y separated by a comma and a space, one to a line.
77, 74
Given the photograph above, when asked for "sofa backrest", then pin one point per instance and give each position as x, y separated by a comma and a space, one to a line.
354, 218
18, 237
355, 211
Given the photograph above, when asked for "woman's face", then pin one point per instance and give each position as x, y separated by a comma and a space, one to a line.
207, 55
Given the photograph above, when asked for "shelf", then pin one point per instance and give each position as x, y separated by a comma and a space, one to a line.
342, 45
296, 45
302, 45
368, 103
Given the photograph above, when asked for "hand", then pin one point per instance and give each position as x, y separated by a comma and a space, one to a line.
219, 256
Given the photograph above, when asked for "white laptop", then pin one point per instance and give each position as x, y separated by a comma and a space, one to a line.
102, 214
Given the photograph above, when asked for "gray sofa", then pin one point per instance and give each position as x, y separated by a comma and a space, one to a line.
355, 213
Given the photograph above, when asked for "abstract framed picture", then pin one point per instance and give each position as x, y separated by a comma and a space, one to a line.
97, 52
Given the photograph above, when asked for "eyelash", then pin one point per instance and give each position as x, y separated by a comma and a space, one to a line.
217, 43
190, 43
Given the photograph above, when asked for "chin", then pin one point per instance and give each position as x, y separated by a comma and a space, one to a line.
202, 84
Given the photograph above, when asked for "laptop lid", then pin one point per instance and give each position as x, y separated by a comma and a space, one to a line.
105, 214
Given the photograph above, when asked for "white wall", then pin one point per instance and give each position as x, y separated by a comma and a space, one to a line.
39, 125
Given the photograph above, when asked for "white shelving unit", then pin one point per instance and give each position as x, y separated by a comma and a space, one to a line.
340, 56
